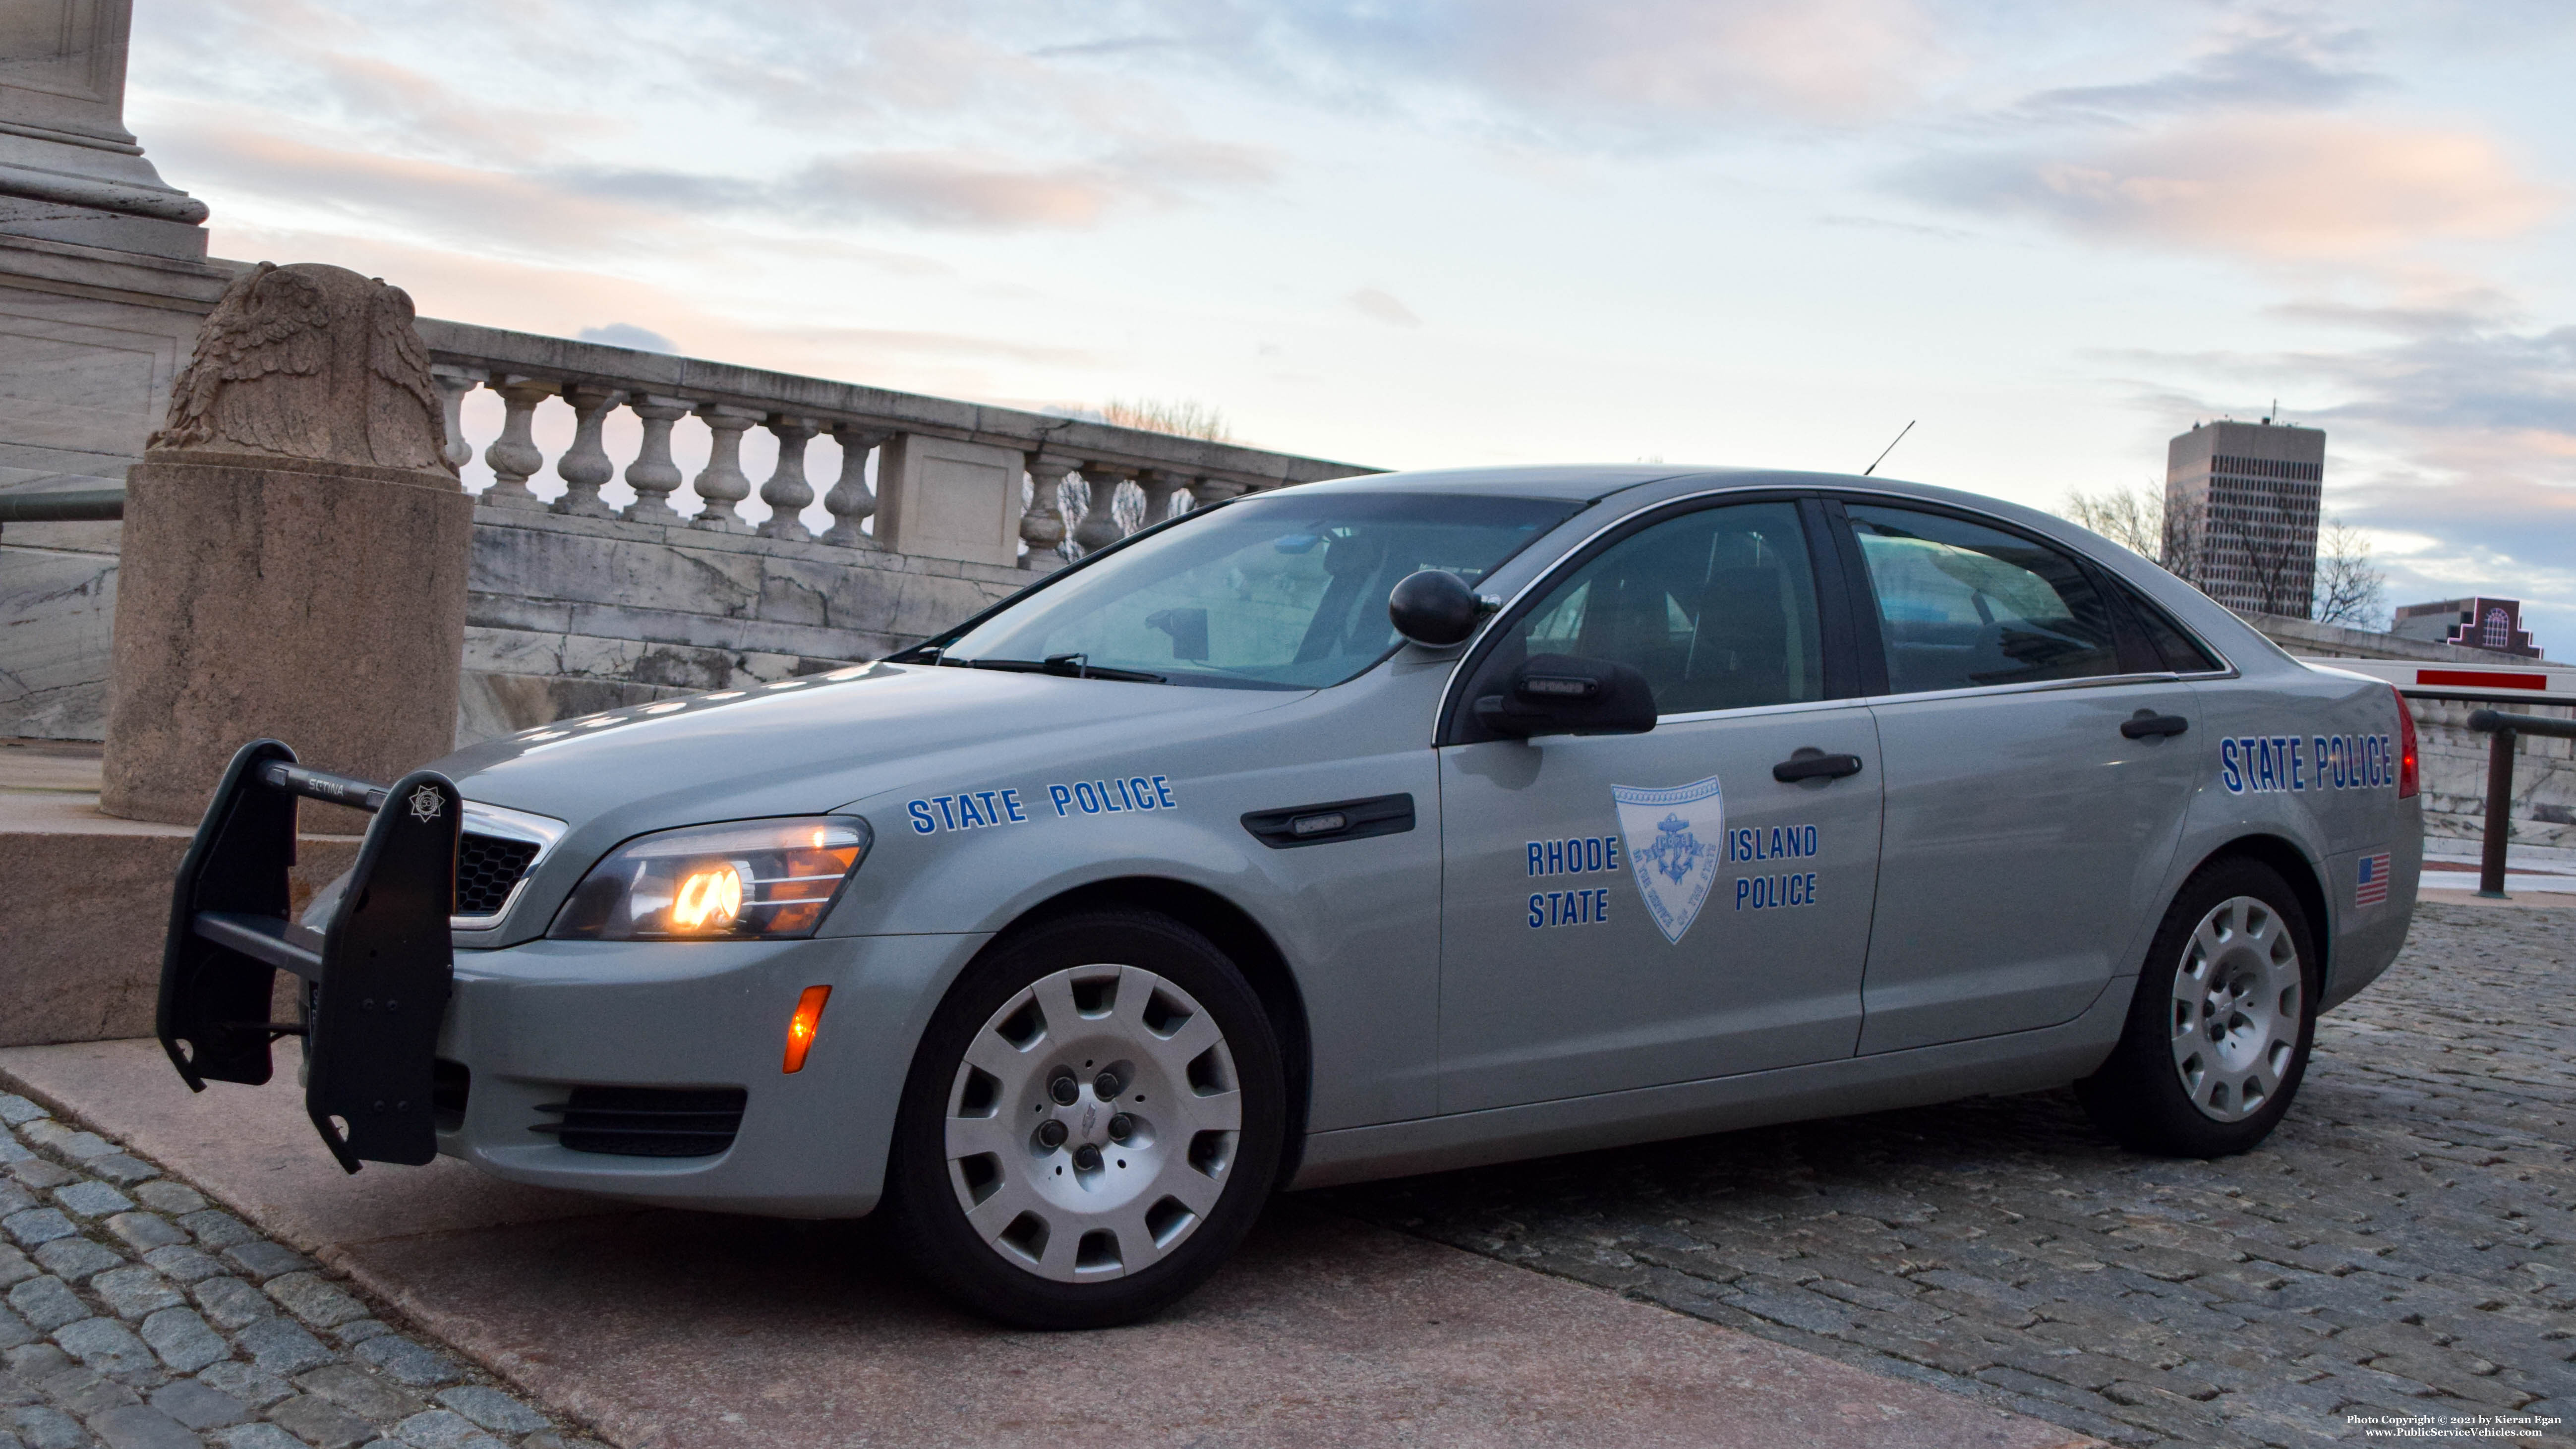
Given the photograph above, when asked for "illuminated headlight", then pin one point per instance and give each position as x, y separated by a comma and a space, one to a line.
751, 880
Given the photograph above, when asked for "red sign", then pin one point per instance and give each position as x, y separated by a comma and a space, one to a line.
2481, 678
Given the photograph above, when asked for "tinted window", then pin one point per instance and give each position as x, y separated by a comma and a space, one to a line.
2179, 651
1961, 605
1284, 591
1716, 608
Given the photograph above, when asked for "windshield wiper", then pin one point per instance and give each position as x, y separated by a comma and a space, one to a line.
1069, 666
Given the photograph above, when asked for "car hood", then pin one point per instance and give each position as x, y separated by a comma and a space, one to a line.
820, 742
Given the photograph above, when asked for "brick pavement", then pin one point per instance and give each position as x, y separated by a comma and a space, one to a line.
2404, 1245
135, 1315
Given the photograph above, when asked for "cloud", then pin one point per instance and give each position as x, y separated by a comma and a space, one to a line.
627, 334
470, 206
1383, 307
2276, 188
2271, 69
587, 207
983, 190
2494, 390
1647, 62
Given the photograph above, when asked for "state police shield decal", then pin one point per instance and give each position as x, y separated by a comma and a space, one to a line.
1672, 838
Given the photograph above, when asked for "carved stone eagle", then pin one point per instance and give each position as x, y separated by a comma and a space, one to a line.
314, 362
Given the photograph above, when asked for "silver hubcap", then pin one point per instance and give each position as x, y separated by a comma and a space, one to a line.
1092, 1123
2236, 1009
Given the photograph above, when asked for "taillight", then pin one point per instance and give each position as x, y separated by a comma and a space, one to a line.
2406, 776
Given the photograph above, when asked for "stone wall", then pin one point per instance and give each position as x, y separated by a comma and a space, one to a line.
2454, 763
568, 615
90, 340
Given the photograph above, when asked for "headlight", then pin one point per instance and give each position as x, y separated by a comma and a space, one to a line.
751, 880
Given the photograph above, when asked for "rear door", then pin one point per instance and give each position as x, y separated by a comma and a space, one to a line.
1625, 911
2035, 782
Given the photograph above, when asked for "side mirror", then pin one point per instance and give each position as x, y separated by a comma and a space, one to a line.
1434, 607
1559, 694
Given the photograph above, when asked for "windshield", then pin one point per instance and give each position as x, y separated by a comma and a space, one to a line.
1281, 591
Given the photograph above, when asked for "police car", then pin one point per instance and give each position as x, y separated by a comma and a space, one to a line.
1361, 828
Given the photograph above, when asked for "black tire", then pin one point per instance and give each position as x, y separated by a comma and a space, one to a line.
926, 1194
2140, 1096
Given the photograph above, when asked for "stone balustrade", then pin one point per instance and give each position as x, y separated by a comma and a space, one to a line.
955, 480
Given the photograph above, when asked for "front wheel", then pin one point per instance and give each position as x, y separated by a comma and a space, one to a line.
1092, 1123
2218, 1035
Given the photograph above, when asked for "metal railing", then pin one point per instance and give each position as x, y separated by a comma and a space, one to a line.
86, 505
2499, 822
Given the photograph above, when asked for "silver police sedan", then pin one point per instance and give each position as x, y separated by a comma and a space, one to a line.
1361, 828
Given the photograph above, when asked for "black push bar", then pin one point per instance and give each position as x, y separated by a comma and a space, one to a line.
85, 505
384, 952
2499, 823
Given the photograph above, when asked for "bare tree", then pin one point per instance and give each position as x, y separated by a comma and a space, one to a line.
2183, 542
2349, 589
1182, 417
2142, 520
2133, 518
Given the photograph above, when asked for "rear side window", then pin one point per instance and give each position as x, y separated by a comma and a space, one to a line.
1717, 608
1963, 606
2179, 651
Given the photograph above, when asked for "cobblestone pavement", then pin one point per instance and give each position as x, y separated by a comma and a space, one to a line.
139, 1317
2404, 1245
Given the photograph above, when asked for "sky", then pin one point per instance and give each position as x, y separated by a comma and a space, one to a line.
1441, 233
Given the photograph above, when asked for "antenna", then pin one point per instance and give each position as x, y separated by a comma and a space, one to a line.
1890, 448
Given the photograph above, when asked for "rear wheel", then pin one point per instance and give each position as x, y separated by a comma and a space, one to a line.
2218, 1035
1092, 1123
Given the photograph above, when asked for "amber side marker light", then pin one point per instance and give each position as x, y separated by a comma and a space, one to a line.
800, 1027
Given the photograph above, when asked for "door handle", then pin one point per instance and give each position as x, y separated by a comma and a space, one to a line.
2147, 722
1814, 764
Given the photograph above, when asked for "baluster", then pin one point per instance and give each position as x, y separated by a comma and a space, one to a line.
514, 455
787, 492
851, 500
585, 466
653, 475
1099, 527
1042, 522
1207, 492
1158, 486
453, 383
721, 483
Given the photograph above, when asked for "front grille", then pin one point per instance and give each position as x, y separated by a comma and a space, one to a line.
486, 867
647, 1121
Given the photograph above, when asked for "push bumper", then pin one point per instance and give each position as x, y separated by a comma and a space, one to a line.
385, 952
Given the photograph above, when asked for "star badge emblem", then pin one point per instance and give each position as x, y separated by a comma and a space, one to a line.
426, 803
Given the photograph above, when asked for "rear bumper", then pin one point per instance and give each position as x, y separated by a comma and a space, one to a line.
2370, 927
530, 1023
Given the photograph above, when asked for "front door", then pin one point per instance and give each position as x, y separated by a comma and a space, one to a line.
1625, 911
2034, 801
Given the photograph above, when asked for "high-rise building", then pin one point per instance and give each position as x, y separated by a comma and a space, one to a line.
2477, 623
2241, 513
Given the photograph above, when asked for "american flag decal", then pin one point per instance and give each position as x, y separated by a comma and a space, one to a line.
2372, 887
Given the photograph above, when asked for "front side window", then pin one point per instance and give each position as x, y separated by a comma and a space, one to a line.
1283, 591
1717, 608
1962, 606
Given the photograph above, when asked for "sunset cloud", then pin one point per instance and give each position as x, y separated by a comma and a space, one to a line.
1643, 61
2276, 188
